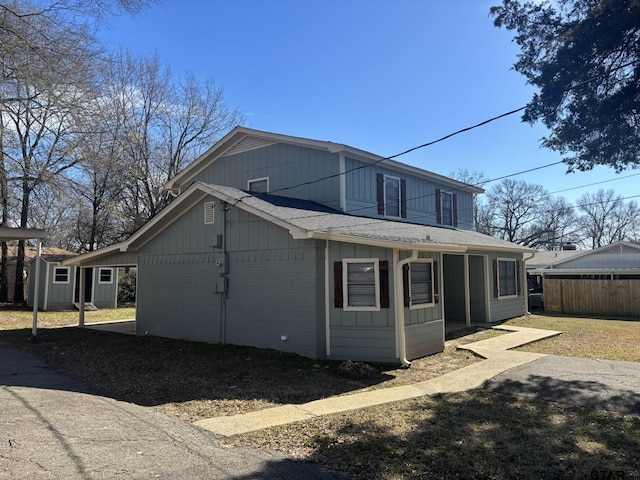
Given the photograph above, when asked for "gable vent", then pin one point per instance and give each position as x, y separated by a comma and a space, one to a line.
249, 143
209, 213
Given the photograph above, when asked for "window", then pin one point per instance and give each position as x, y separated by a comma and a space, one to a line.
421, 283
360, 282
105, 275
61, 275
258, 185
446, 208
507, 278
209, 213
391, 196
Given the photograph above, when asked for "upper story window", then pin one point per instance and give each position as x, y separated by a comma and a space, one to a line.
391, 196
258, 185
61, 275
446, 208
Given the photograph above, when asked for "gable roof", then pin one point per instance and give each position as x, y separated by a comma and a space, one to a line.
310, 220
243, 139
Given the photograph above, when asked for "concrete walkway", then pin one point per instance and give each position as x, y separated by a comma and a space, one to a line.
498, 358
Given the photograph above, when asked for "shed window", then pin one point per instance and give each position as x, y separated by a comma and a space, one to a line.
209, 213
507, 278
61, 275
361, 284
258, 185
105, 275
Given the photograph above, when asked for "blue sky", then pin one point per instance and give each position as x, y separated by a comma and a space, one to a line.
382, 76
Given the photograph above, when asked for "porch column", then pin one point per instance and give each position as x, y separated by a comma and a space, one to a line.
83, 274
467, 291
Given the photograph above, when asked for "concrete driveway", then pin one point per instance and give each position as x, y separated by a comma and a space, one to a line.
599, 384
52, 427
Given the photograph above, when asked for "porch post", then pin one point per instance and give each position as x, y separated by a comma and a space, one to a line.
83, 274
467, 291
36, 292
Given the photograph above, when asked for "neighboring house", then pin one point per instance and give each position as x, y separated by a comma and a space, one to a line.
29, 255
544, 259
316, 248
604, 281
60, 285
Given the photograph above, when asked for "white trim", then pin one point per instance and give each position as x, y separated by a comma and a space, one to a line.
515, 267
376, 285
100, 270
433, 295
255, 180
45, 303
57, 282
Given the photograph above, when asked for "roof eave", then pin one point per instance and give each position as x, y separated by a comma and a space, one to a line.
378, 242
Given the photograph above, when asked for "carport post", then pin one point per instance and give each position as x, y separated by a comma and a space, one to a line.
36, 293
83, 273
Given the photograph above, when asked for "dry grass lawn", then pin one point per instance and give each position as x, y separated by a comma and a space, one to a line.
476, 434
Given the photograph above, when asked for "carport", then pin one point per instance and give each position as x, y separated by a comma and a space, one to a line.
10, 234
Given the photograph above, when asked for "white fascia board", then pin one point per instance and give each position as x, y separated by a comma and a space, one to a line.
10, 233
80, 259
550, 272
378, 242
493, 248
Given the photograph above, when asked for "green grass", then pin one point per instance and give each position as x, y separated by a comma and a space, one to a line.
12, 318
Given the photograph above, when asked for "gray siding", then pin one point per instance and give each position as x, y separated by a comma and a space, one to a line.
360, 195
285, 165
503, 309
357, 335
272, 284
424, 339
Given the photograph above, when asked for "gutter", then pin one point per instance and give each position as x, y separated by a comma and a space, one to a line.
400, 331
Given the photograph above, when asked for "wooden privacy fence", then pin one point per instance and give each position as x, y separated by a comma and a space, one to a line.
592, 297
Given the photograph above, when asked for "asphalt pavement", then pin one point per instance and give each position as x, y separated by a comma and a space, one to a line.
53, 427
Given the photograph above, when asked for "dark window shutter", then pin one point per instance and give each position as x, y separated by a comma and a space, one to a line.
380, 193
436, 291
454, 207
384, 283
438, 206
405, 285
337, 285
403, 198
495, 278
518, 286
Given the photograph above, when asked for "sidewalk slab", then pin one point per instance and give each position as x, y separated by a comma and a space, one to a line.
498, 358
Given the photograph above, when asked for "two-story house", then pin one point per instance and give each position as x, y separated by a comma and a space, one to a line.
316, 248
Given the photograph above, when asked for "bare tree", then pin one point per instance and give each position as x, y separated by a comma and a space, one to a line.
607, 218
556, 223
477, 179
166, 124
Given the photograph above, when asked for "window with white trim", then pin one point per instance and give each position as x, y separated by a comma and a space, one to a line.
258, 185
360, 284
61, 275
507, 278
421, 284
209, 213
105, 275
391, 196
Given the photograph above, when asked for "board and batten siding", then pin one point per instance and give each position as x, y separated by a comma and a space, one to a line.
272, 283
361, 195
285, 165
505, 308
362, 335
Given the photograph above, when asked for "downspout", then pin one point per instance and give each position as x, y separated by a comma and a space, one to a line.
526, 284
398, 285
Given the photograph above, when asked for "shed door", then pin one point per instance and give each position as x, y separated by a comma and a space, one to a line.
88, 286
